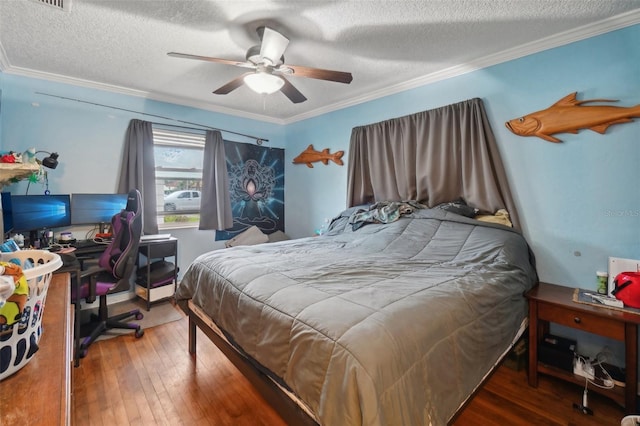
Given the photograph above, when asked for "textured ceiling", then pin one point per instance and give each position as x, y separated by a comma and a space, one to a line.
388, 45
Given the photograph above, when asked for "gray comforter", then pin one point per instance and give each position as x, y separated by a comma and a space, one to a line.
392, 324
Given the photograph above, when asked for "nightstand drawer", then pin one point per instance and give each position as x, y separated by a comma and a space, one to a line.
581, 320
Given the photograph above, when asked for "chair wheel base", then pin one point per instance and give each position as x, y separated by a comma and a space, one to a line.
139, 316
139, 333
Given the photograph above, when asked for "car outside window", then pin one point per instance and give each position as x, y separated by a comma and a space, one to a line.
178, 169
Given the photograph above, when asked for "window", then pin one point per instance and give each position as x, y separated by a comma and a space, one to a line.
178, 158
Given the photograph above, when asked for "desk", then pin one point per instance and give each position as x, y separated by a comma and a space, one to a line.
150, 249
40, 392
90, 250
554, 303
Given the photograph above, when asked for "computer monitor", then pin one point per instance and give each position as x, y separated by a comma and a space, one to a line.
7, 212
35, 212
93, 209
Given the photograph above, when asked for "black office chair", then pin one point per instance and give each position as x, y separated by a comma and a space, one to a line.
114, 270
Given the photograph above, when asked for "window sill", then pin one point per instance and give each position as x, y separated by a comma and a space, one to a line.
168, 227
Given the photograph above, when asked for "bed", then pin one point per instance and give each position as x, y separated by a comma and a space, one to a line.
375, 324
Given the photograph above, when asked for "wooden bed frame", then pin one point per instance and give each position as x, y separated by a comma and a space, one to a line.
288, 409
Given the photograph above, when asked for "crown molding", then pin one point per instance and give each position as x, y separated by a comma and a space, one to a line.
561, 39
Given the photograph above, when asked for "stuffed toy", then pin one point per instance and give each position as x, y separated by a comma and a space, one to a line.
11, 157
29, 156
11, 311
7, 158
7, 287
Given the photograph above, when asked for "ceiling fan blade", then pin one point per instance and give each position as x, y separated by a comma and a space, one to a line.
232, 85
291, 92
273, 45
320, 74
210, 59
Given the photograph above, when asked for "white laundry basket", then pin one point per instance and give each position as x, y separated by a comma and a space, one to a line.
630, 421
19, 342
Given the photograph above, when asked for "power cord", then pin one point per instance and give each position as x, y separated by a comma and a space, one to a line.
600, 359
587, 369
584, 407
91, 233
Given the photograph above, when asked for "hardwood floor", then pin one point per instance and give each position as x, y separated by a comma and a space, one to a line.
154, 381
507, 399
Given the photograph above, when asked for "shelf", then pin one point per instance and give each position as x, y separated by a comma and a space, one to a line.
10, 171
156, 294
158, 250
617, 393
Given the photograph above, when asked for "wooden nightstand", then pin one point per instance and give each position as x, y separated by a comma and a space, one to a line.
553, 303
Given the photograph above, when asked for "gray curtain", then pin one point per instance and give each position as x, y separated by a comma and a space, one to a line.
433, 156
138, 171
215, 206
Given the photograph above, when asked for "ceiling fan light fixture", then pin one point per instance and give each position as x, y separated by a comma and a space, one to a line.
261, 82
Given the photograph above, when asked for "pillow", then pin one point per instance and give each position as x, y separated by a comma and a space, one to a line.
459, 207
278, 236
501, 217
251, 236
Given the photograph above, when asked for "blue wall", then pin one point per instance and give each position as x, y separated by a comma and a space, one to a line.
90, 138
579, 201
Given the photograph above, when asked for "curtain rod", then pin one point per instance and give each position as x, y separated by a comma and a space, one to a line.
258, 140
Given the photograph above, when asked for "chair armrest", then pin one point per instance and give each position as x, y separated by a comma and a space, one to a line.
92, 275
91, 271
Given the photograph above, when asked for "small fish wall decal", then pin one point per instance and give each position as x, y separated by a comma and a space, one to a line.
310, 155
568, 115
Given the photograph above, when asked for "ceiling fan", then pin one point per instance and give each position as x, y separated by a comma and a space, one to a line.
268, 68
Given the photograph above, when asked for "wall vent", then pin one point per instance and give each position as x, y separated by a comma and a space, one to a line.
58, 4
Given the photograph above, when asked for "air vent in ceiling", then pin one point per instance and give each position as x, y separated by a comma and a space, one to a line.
58, 4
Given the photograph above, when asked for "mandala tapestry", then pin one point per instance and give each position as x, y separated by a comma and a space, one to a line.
256, 185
